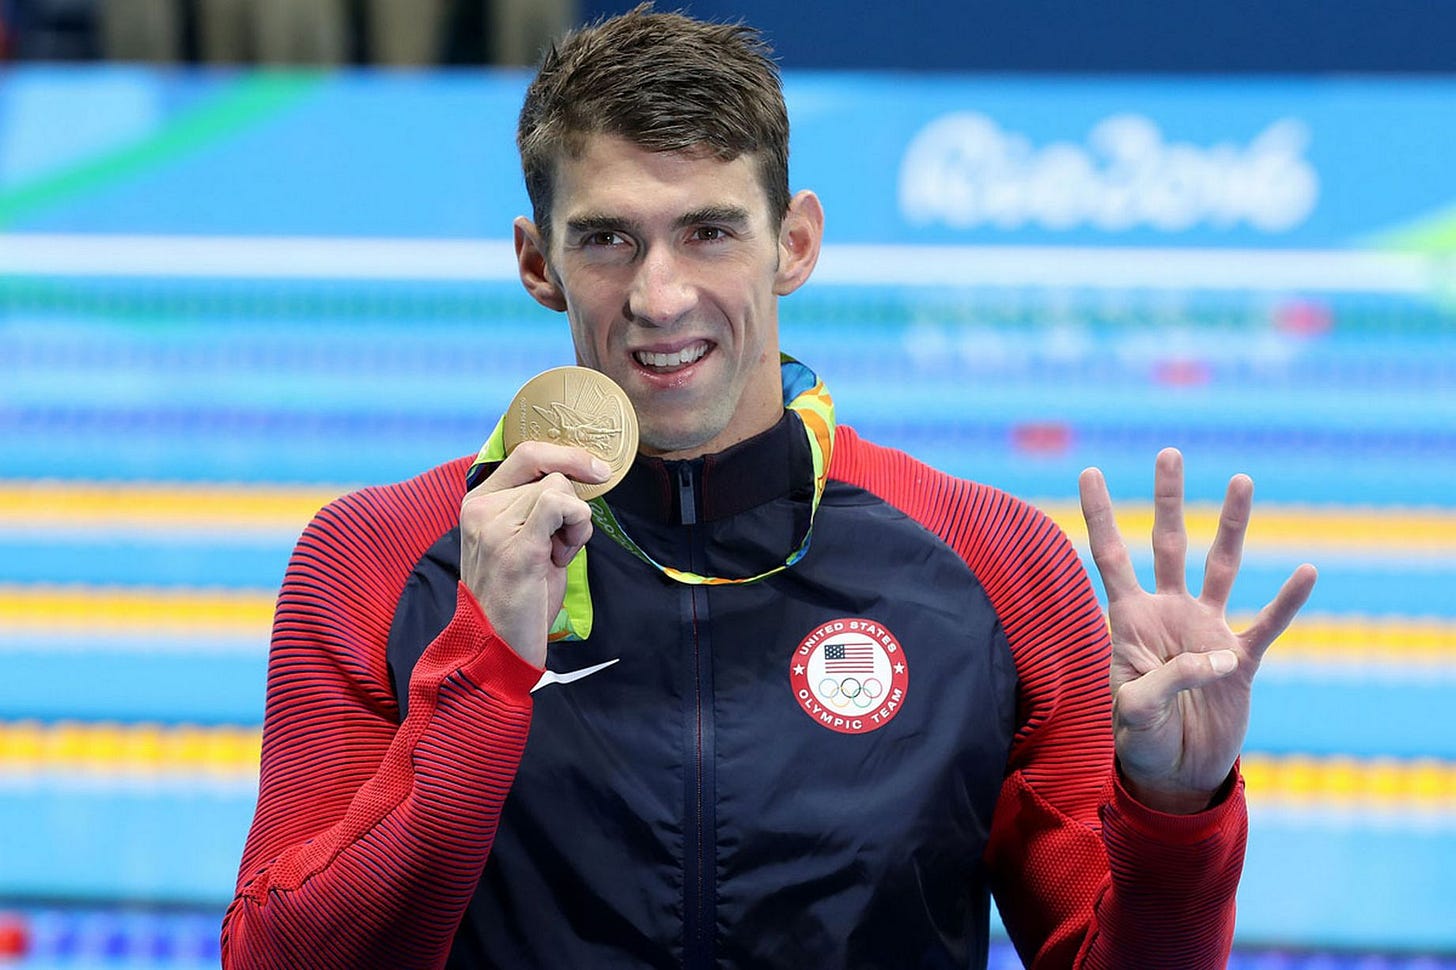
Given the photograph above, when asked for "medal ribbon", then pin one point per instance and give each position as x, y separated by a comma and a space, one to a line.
804, 394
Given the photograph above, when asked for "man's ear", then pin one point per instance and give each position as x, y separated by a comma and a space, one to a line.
536, 275
800, 236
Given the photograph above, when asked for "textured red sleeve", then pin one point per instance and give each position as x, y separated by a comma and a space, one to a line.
1084, 876
370, 835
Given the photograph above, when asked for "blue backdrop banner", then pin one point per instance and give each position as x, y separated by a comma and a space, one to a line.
1285, 163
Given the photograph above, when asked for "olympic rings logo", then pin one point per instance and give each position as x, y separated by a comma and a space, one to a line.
848, 692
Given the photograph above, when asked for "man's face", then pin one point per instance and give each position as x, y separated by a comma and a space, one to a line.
669, 269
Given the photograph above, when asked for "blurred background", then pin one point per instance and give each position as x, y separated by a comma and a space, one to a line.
254, 253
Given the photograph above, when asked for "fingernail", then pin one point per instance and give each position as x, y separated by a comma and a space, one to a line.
601, 468
1223, 661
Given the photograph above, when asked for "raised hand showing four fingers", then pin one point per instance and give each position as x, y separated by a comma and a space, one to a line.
1181, 678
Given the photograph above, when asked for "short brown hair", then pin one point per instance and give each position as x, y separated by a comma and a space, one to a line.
665, 82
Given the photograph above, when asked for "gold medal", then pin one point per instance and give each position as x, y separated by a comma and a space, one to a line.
579, 407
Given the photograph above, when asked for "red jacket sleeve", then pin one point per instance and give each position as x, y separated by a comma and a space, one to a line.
1083, 875
370, 835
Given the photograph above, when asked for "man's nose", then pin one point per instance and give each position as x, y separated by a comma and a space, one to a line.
662, 291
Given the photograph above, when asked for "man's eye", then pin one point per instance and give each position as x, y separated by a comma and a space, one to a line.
604, 238
709, 233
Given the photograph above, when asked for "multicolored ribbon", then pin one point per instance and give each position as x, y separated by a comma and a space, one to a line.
804, 394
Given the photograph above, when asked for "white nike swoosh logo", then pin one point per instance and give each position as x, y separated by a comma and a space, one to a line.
552, 677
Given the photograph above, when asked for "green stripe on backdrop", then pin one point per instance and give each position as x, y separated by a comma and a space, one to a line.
173, 300
1436, 236
1435, 233
183, 303
253, 98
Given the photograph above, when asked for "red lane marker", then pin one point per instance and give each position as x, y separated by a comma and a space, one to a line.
1044, 438
1182, 372
1304, 318
14, 936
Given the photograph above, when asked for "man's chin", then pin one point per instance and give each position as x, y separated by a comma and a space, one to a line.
675, 442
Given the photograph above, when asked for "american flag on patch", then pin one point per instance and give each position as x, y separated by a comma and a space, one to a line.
849, 658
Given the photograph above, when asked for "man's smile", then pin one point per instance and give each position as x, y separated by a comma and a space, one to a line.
669, 361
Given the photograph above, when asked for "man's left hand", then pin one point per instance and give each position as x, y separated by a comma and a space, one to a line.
1181, 678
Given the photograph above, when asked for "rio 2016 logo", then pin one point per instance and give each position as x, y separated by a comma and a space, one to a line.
964, 170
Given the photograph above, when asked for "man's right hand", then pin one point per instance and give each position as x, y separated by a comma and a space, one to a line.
518, 531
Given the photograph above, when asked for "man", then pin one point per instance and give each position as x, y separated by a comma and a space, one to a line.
822, 700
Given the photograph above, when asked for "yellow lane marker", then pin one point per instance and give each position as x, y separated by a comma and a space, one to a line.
1302, 531
1423, 784
42, 504
1364, 640
97, 612
190, 751
146, 750
166, 613
151, 506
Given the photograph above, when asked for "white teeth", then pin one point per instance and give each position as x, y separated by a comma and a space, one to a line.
678, 358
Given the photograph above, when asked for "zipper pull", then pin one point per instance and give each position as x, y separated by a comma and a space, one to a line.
686, 500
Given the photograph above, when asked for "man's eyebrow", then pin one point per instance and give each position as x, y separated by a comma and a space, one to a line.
722, 214
731, 215
599, 222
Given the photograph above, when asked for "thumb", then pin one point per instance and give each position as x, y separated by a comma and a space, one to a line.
1142, 701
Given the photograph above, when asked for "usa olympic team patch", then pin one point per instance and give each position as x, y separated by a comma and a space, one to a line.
850, 675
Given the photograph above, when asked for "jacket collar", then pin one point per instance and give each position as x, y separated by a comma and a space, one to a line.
772, 465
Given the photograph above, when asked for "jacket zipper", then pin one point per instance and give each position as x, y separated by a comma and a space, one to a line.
699, 882
687, 502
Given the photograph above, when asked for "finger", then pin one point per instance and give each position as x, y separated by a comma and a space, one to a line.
1227, 550
566, 544
568, 540
1143, 702
558, 523
1277, 615
552, 503
545, 512
555, 506
532, 460
1170, 539
1109, 552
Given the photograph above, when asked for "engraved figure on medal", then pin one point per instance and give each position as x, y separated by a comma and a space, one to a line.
579, 407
